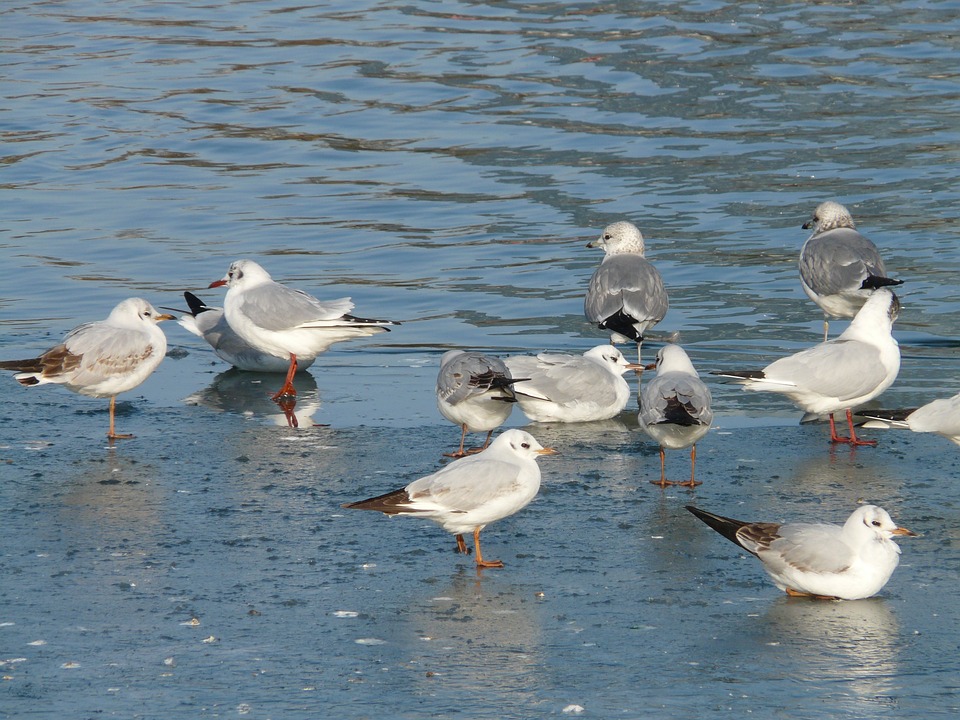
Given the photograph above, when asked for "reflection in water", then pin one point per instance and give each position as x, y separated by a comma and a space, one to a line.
115, 494
478, 645
851, 643
248, 393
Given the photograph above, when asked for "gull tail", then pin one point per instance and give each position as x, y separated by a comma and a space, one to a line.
678, 413
873, 282
395, 502
727, 527
622, 324
28, 371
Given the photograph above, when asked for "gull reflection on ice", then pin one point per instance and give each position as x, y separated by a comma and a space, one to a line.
852, 644
248, 393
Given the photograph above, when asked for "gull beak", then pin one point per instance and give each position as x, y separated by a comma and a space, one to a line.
217, 283
906, 533
807, 225
547, 451
165, 316
634, 366
651, 366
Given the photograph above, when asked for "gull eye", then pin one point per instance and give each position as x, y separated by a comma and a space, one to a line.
525, 446
607, 236
876, 523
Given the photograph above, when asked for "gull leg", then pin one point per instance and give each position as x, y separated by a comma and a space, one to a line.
854, 440
693, 468
289, 405
111, 434
826, 328
796, 593
462, 545
481, 563
459, 453
663, 482
288, 390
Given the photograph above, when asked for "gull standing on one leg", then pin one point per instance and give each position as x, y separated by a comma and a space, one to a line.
287, 323
839, 267
626, 294
104, 358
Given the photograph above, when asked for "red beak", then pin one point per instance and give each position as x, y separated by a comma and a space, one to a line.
217, 283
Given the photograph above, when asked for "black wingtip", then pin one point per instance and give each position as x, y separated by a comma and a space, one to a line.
874, 282
727, 527
195, 304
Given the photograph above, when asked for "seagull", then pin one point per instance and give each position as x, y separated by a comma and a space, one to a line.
209, 323
470, 493
940, 416
285, 323
839, 374
103, 358
626, 294
558, 387
839, 267
474, 391
675, 408
820, 560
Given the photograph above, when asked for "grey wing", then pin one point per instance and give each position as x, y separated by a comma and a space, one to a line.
812, 548
676, 397
628, 283
840, 368
558, 377
467, 485
106, 351
839, 260
470, 374
276, 307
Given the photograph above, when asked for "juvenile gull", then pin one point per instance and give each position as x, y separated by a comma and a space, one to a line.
675, 410
470, 493
103, 358
474, 392
209, 323
839, 374
626, 294
285, 323
558, 387
839, 267
847, 562
940, 416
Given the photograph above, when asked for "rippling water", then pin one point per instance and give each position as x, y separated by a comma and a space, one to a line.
444, 163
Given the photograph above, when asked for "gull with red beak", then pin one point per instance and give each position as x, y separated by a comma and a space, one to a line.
287, 323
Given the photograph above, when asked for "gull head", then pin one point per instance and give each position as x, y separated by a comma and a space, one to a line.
673, 358
242, 272
611, 358
874, 522
518, 443
620, 238
135, 310
829, 215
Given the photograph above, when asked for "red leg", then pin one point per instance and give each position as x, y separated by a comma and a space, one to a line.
288, 390
462, 545
852, 440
